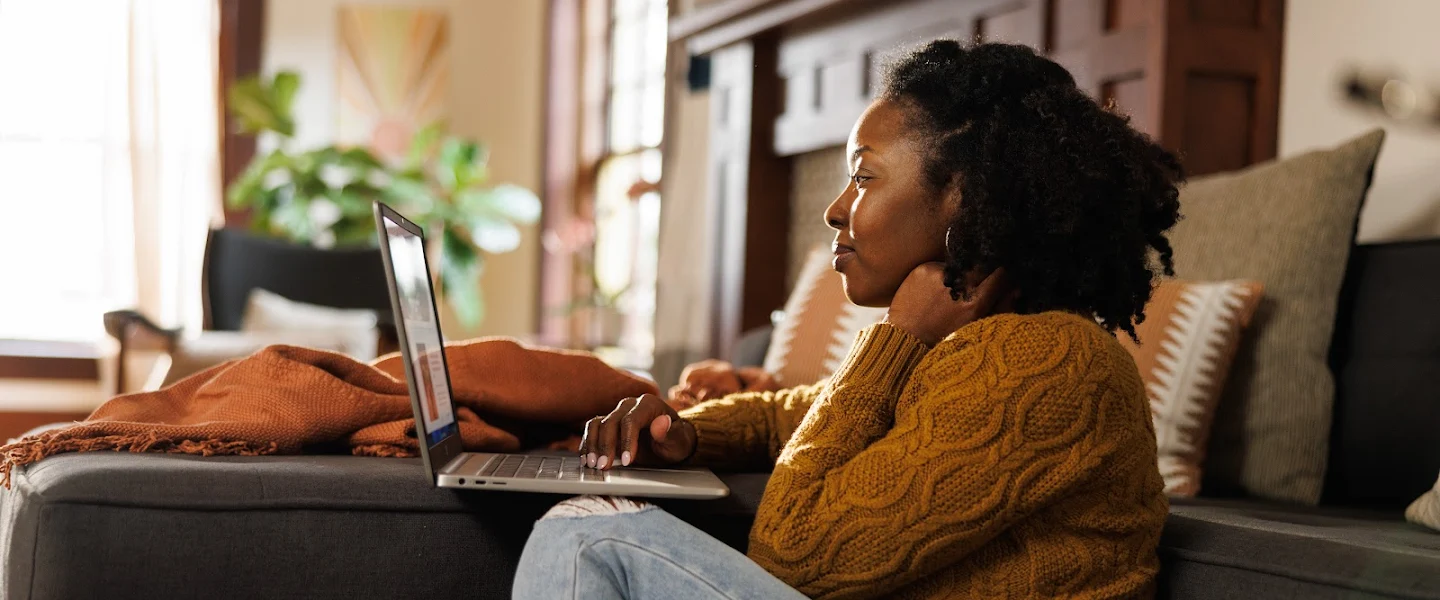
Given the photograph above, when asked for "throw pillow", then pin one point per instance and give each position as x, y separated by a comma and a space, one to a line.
1187, 342
268, 312
819, 325
1426, 509
1291, 224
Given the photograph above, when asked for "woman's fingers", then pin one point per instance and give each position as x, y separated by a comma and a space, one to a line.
607, 437
646, 409
588, 441
617, 439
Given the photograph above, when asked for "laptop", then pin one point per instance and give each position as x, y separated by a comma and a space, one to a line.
402, 245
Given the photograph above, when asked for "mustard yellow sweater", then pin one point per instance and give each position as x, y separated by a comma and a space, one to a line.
1015, 459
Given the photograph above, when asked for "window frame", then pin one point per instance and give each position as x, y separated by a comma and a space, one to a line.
577, 106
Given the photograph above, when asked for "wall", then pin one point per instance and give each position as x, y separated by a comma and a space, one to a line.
496, 86
818, 178
1324, 38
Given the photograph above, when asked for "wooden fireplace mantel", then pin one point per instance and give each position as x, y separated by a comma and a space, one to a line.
790, 76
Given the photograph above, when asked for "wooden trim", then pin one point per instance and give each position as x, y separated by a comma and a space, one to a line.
31, 359
1221, 83
562, 162
577, 65
758, 23
594, 107
831, 70
750, 186
684, 26
242, 35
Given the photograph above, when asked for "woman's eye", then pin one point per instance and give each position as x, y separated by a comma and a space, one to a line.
859, 179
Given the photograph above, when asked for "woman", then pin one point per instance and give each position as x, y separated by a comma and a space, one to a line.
991, 438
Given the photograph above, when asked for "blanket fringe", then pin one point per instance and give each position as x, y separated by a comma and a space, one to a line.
28, 450
384, 451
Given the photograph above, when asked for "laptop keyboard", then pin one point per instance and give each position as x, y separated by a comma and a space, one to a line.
533, 467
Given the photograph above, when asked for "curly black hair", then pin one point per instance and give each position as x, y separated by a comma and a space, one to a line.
1059, 191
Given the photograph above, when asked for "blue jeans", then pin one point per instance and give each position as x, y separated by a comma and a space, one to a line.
640, 553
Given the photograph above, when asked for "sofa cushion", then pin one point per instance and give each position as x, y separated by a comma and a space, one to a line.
1245, 549
123, 525
1386, 357
1288, 224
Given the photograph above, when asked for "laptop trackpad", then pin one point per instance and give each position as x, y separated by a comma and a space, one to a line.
662, 478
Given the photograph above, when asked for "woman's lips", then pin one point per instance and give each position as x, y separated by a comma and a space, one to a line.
844, 255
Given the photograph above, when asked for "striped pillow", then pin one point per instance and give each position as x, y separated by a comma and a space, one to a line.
1191, 333
818, 327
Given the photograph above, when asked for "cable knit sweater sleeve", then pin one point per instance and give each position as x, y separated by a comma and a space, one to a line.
912, 459
747, 431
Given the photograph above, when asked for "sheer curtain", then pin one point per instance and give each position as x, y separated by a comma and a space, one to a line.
174, 152
109, 161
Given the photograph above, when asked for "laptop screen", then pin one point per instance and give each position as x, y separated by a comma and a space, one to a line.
421, 331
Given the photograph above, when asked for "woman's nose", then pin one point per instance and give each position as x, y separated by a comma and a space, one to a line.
837, 215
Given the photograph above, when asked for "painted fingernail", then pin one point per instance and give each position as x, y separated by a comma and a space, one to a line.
625, 458
603, 460
590, 460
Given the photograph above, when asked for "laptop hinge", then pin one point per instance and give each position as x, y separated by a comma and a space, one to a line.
455, 463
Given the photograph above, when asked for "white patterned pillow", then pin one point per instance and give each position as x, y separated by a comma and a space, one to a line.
818, 327
1191, 333
1425, 510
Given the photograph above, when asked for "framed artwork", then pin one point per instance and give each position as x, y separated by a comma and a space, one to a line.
394, 75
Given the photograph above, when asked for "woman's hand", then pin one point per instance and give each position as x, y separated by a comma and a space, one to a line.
924, 308
640, 431
709, 379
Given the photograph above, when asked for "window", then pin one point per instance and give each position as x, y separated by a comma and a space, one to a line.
627, 199
62, 154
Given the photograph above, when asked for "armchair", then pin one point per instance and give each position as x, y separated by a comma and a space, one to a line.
236, 264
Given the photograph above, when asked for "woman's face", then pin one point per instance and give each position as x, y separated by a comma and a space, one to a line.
887, 221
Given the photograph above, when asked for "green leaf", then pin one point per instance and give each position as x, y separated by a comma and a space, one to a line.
250, 103
261, 209
353, 200
293, 218
459, 164
505, 201
460, 272
246, 188
422, 145
358, 158
282, 94
354, 231
495, 237
412, 196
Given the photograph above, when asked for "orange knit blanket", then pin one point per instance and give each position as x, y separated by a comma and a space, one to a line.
291, 400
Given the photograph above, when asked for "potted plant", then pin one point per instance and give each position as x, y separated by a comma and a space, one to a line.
322, 196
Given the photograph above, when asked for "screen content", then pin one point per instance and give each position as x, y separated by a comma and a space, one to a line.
422, 332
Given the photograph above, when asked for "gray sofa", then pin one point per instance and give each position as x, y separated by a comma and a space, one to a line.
147, 526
